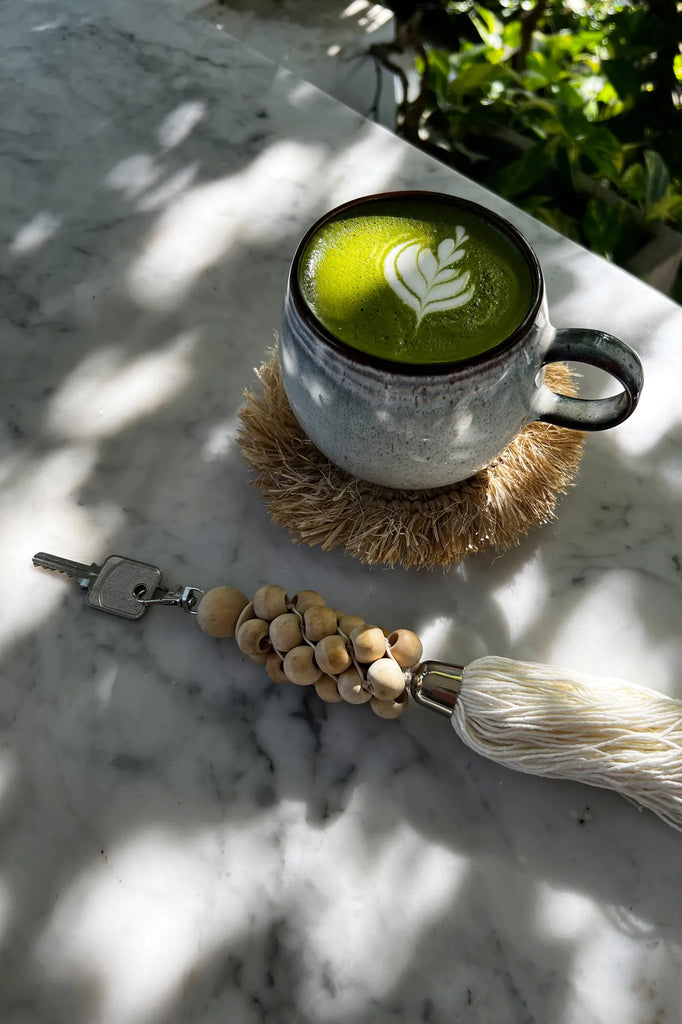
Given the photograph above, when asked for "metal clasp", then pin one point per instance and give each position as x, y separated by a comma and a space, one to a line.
436, 685
187, 598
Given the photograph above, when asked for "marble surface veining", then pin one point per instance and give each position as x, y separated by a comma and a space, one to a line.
180, 840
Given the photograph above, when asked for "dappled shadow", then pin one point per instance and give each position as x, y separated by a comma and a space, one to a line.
182, 840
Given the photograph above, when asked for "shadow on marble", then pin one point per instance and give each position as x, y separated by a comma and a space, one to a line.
299, 837
152, 742
292, 816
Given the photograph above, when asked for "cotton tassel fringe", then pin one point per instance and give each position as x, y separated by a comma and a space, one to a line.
562, 724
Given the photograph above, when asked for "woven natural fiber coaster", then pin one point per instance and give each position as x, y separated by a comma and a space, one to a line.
320, 504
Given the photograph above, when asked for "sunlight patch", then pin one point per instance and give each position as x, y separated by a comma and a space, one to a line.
431, 635
302, 93
104, 685
133, 175
33, 235
180, 123
39, 510
643, 620
206, 221
108, 391
372, 16
169, 189
131, 921
8, 771
47, 26
377, 16
566, 916
146, 913
522, 600
355, 7
220, 440
380, 159
353, 946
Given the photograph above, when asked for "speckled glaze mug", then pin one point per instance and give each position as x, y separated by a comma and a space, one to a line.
415, 425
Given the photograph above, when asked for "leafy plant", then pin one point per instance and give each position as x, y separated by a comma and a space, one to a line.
572, 112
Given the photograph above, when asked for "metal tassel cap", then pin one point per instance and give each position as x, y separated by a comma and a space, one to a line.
436, 685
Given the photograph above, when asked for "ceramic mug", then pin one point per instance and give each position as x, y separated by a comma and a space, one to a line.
416, 426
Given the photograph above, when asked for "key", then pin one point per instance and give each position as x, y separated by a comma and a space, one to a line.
119, 586
78, 571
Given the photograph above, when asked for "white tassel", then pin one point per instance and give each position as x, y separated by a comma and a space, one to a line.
562, 724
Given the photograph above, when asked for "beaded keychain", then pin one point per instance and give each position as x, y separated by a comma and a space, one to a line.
538, 719
301, 640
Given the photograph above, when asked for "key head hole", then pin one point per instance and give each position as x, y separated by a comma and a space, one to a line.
140, 591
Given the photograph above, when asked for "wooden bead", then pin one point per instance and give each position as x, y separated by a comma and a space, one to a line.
406, 647
347, 623
369, 643
325, 688
305, 599
285, 632
319, 621
246, 614
219, 610
349, 685
385, 679
332, 655
273, 667
253, 639
389, 708
269, 602
299, 666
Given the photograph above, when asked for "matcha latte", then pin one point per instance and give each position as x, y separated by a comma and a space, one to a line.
415, 280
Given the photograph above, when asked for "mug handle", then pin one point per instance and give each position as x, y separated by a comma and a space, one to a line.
584, 345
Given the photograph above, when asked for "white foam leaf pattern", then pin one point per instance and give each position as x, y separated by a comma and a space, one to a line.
426, 282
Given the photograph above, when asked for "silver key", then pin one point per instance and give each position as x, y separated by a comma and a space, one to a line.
120, 586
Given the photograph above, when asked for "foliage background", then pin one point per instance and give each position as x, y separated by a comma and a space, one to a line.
570, 110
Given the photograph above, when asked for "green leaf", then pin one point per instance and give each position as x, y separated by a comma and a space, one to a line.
561, 222
469, 153
571, 44
488, 27
590, 86
602, 148
439, 72
511, 34
539, 108
632, 183
569, 95
610, 100
438, 59
533, 81
522, 173
656, 179
667, 208
541, 68
532, 203
605, 227
475, 78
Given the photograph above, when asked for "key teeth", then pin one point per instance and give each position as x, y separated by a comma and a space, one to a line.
45, 565
44, 561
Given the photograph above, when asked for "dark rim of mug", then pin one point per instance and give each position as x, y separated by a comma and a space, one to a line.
420, 369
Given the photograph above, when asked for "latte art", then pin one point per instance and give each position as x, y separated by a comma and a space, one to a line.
415, 280
429, 283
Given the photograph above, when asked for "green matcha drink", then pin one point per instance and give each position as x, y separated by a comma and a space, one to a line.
415, 280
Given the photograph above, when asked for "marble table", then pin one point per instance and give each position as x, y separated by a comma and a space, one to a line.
182, 841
